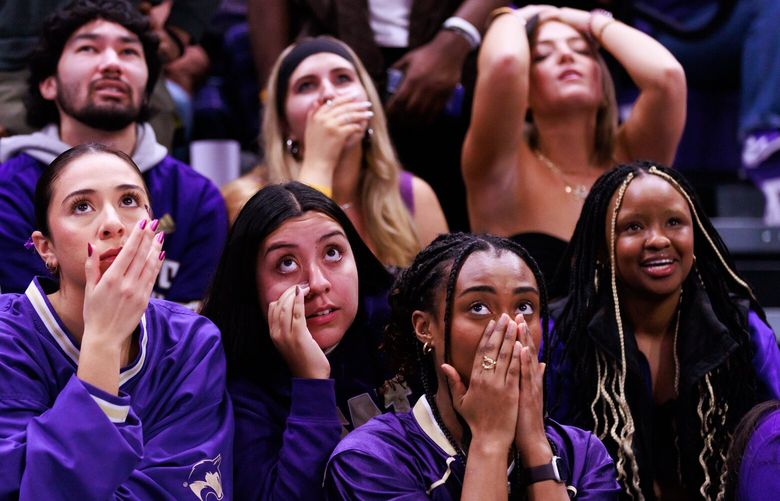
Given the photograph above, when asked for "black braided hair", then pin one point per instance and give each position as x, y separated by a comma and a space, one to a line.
588, 257
417, 288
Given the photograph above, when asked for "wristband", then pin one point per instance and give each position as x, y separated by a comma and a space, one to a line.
601, 12
325, 190
465, 29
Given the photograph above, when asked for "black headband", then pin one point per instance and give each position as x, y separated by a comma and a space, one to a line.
300, 52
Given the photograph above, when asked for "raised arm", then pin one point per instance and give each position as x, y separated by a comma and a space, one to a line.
500, 102
654, 128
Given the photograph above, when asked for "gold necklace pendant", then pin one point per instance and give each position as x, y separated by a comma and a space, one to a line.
578, 191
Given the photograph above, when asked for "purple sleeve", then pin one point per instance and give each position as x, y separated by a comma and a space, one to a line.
17, 185
592, 469
279, 455
758, 473
71, 449
358, 474
766, 357
200, 218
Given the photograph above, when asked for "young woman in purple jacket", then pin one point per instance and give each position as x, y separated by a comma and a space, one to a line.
301, 303
466, 318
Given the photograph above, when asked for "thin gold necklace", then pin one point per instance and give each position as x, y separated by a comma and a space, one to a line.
578, 191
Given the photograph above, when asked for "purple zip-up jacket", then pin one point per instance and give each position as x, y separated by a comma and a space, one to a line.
407, 456
167, 435
190, 208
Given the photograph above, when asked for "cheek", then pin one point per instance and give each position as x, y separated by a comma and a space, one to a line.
268, 290
348, 287
464, 342
296, 111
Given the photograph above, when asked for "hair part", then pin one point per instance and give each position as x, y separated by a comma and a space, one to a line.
387, 220
57, 30
233, 303
44, 189
607, 114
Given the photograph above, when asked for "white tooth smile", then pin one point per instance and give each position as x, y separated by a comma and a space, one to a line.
321, 313
663, 262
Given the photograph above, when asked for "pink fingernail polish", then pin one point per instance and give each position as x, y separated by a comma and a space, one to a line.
142, 224
161, 237
162, 255
155, 224
89, 249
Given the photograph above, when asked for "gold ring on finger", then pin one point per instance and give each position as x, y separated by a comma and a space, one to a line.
488, 363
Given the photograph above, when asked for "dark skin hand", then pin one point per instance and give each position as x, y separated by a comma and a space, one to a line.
431, 72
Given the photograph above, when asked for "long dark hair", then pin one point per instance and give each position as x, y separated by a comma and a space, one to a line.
592, 287
418, 288
233, 303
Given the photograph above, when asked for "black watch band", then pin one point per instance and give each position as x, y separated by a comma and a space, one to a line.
554, 470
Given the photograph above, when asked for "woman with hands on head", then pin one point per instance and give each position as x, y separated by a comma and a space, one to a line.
324, 126
104, 390
545, 120
301, 303
466, 318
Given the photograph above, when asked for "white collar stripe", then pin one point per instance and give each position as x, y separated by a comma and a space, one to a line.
132, 371
424, 417
115, 413
50, 322
49, 318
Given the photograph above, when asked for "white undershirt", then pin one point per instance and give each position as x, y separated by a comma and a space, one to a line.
389, 21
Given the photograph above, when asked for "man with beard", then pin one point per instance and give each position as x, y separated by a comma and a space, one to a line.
91, 77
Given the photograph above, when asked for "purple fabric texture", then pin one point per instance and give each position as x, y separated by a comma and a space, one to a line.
759, 473
167, 435
407, 191
281, 451
190, 207
406, 457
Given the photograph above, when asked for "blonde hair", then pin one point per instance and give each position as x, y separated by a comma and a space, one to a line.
388, 223
606, 116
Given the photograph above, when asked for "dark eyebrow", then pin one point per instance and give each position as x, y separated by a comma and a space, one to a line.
94, 36
287, 245
491, 290
333, 233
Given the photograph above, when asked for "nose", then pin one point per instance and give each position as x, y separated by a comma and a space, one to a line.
111, 224
109, 61
318, 280
327, 91
565, 54
657, 239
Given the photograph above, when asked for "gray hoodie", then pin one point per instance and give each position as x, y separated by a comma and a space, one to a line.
45, 145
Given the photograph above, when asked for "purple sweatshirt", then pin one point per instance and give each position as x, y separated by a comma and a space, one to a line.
167, 435
190, 208
406, 456
759, 473
287, 428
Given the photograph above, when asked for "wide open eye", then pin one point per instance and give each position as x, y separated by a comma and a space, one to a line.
287, 264
333, 254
